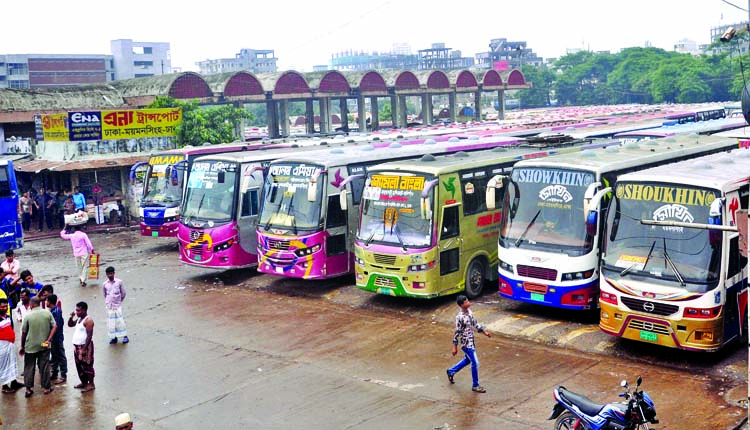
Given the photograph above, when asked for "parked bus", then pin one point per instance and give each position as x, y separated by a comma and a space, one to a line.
698, 115
547, 254
670, 129
425, 229
672, 271
306, 230
11, 233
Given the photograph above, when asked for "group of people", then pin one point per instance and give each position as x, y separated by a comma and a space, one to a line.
47, 207
38, 311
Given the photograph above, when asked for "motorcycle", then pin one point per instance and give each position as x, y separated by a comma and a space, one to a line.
576, 412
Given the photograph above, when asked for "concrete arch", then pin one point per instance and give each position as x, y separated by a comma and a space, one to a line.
291, 84
373, 82
516, 77
438, 80
189, 86
244, 85
466, 81
334, 82
492, 80
406, 81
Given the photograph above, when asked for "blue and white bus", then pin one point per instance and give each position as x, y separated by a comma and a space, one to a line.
11, 234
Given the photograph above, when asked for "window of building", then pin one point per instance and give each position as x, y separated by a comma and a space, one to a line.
143, 63
143, 75
18, 84
148, 50
18, 69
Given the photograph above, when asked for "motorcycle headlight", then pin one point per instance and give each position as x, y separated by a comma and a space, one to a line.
421, 267
303, 252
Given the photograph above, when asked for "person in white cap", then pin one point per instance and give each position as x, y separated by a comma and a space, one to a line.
123, 422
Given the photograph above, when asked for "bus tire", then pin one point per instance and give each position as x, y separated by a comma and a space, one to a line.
474, 278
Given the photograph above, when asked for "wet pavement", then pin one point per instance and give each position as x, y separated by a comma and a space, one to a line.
240, 350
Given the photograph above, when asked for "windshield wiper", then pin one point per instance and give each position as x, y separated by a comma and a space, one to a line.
533, 220
627, 269
270, 217
395, 232
672, 265
372, 235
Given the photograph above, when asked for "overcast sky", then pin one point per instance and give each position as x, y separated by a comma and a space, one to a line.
307, 33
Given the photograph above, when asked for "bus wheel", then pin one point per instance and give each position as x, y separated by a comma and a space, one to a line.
474, 279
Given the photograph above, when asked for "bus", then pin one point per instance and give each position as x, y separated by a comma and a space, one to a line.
670, 128
11, 232
672, 272
425, 229
310, 207
547, 254
698, 115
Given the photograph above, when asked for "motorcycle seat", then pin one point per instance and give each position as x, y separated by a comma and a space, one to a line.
586, 405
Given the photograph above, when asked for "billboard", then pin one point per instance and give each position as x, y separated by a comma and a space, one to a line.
110, 124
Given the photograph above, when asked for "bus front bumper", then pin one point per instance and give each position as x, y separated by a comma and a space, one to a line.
168, 229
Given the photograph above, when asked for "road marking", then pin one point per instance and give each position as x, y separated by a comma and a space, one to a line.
536, 328
575, 333
604, 345
331, 295
500, 324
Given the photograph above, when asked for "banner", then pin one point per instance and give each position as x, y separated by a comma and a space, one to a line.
124, 124
55, 127
85, 126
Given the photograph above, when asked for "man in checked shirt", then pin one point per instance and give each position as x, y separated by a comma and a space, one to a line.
465, 325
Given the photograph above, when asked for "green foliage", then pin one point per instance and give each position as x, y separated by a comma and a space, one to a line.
212, 124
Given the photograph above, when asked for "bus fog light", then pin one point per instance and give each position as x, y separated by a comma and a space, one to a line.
360, 276
706, 336
419, 285
605, 315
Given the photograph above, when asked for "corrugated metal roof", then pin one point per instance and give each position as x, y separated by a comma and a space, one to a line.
38, 165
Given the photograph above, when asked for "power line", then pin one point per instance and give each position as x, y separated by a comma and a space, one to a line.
733, 5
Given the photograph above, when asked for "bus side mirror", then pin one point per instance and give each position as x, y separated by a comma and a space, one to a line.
221, 176
495, 182
591, 221
312, 189
174, 177
714, 218
426, 208
342, 199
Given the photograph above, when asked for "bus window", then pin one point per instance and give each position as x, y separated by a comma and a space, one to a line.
450, 223
737, 261
473, 189
335, 217
250, 203
5, 190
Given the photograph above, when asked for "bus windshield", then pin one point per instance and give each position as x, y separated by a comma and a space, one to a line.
549, 216
160, 190
206, 198
392, 212
666, 255
286, 207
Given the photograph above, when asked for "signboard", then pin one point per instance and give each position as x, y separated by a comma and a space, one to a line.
38, 129
110, 124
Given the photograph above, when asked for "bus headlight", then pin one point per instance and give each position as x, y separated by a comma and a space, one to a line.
224, 246
505, 266
359, 262
307, 251
421, 267
572, 276
172, 218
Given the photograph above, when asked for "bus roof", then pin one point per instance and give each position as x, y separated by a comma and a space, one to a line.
701, 127
717, 171
620, 157
264, 155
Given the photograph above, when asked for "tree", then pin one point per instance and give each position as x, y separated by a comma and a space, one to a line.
214, 124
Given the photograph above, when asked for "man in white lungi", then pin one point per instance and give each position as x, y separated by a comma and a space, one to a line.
114, 294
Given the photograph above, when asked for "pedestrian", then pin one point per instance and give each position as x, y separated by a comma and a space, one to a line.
59, 363
114, 294
24, 306
465, 326
26, 210
8, 362
45, 202
25, 281
11, 266
123, 422
45, 292
79, 200
60, 199
82, 248
84, 346
36, 336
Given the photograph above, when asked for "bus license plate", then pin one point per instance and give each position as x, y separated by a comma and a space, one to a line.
647, 335
537, 297
154, 234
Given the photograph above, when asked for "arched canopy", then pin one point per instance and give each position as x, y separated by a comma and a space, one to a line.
372, 82
492, 80
334, 82
406, 81
243, 85
516, 78
190, 86
438, 80
466, 81
291, 84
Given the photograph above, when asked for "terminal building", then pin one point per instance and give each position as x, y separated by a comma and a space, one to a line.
140, 59
251, 60
29, 71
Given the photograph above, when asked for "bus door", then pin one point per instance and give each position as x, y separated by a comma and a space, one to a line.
450, 246
249, 206
11, 234
735, 319
337, 224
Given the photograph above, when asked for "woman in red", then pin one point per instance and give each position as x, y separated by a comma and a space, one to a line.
8, 363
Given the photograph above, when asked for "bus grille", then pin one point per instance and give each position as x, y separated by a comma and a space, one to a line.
197, 250
381, 281
388, 260
537, 272
655, 308
195, 235
534, 288
278, 244
649, 326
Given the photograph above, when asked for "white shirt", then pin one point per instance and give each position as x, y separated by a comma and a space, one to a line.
21, 311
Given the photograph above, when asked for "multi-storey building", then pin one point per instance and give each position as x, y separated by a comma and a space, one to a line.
140, 59
505, 55
741, 29
53, 70
253, 60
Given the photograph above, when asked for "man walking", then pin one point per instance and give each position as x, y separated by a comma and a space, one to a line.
81, 249
36, 335
8, 363
46, 203
114, 294
59, 363
79, 200
84, 346
465, 325
26, 205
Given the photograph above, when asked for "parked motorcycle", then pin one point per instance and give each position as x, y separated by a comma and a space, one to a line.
576, 412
